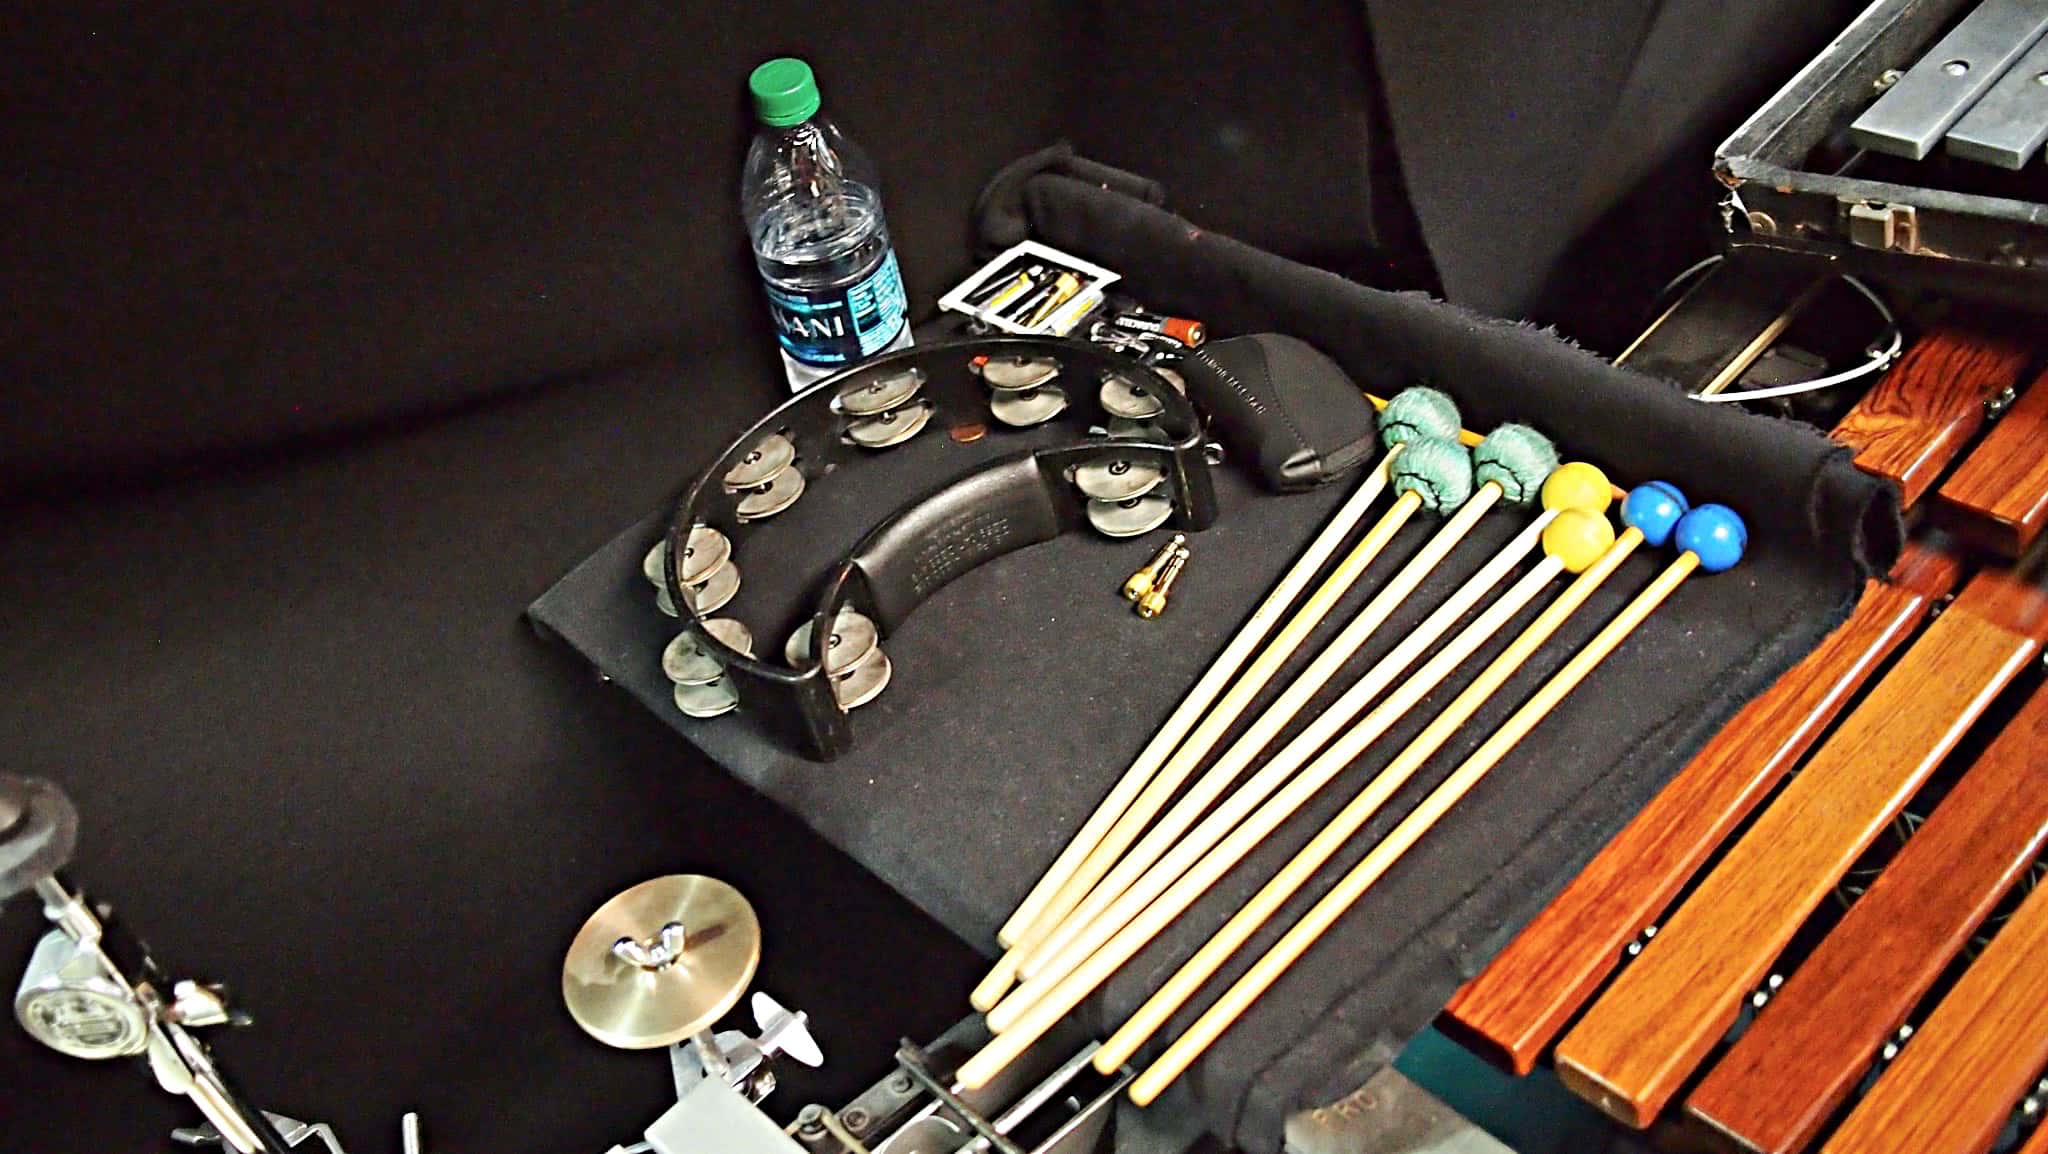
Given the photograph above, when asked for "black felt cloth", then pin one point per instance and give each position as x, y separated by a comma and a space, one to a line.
1023, 689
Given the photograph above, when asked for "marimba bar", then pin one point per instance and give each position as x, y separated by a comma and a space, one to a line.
1514, 1011
1954, 1084
1858, 986
1921, 416
1998, 496
1666, 1010
1643, 1037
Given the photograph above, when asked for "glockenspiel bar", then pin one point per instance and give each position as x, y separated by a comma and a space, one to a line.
1909, 119
1515, 1008
1914, 422
2009, 124
1646, 1035
1799, 1061
1953, 1086
1998, 496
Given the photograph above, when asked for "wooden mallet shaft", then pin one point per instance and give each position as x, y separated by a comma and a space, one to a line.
1206, 690
1514, 459
1165, 889
1304, 933
1711, 537
1264, 728
1071, 990
1297, 872
1170, 776
1135, 883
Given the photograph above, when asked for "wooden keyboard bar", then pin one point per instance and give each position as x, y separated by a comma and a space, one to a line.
1954, 1084
1515, 1008
1667, 1009
1998, 496
1789, 1072
1925, 410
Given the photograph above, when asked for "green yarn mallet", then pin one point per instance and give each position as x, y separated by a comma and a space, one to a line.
1174, 752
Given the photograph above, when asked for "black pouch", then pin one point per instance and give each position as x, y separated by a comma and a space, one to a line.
1284, 408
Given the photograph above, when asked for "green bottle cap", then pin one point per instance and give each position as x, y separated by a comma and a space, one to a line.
785, 92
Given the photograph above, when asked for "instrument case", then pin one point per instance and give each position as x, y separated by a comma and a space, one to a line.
1024, 687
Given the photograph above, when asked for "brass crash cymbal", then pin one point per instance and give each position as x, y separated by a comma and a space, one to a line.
661, 962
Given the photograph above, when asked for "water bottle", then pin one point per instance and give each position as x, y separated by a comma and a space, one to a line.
813, 208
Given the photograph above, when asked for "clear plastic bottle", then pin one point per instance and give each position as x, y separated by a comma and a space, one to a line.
813, 208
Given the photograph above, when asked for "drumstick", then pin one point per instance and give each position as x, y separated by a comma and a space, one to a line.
1711, 538
1430, 472
1511, 463
1133, 884
1419, 412
1561, 539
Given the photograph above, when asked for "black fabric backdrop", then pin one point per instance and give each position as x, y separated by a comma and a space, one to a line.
1520, 124
231, 228
228, 228
1022, 689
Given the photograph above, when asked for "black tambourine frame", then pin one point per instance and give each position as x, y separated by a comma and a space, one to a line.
1016, 500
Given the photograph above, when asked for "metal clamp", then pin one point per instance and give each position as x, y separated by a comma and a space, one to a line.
1883, 227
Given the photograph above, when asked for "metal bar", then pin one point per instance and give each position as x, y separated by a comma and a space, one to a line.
1910, 118
911, 1059
1806, 110
2012, 120
1028, 1105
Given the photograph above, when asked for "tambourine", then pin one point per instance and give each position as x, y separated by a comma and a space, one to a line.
1105, 444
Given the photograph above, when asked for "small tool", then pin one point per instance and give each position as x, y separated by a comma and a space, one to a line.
1141, 582
1153, 603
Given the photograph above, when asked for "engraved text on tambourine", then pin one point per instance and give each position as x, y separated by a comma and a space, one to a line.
957, 546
